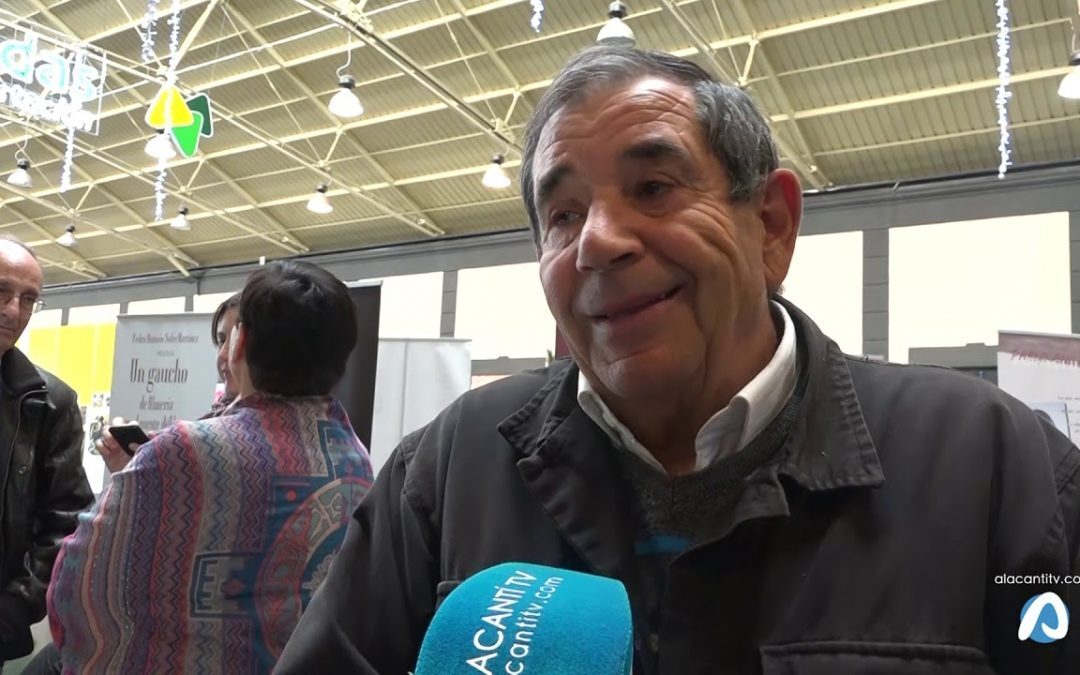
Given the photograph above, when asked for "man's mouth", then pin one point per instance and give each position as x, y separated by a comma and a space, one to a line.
635, 305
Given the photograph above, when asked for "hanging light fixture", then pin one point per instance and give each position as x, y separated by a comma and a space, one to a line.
1070, 84
68, 237
318, 202
345, 103
160, 147
616, 32
495, 177
181, 222
20, 177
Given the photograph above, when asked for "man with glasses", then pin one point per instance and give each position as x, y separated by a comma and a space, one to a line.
41, 475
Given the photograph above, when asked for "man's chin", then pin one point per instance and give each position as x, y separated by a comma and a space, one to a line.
643, 375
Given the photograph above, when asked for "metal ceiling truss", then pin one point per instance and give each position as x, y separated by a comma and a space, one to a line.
789, 29
808, 169
793, 143
281, 143
118, 62
425, 224
76, 218
78, 265
117, 202
409, 67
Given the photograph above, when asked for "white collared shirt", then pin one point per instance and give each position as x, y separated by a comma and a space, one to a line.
734, 426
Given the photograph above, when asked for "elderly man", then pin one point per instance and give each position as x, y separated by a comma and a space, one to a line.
206, 548
44, 486
770, 504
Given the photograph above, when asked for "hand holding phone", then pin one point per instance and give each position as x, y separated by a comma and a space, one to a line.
128, 434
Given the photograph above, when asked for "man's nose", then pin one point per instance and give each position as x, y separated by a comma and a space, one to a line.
608, 239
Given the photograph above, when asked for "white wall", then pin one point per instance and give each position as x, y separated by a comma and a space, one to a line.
503, 311
410, 306
826, 282
92, 314
953, 284
157, 306
208, 303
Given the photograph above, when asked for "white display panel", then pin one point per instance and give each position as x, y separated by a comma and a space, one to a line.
959, 283
826, 282
93, 314
411, 306
503, 312
414, 381
174, 305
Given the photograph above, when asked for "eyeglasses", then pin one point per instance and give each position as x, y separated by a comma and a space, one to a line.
28, 303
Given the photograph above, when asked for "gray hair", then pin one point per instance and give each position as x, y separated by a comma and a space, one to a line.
734, 127
18, 242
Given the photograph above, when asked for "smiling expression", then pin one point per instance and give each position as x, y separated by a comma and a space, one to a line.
652, 272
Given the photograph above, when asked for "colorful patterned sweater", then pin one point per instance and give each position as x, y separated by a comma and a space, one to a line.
205, 550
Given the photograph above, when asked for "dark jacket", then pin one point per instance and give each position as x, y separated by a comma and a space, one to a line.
870, 545
44, 487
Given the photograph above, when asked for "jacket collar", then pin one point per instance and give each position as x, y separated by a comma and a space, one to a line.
829, 446
18, 374
564, 464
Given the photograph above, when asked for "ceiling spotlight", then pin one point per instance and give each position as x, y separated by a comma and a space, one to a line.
345, 103
20, 177
318, 202
181, 222
68, 237
1070, 84
160, 147
615, 32
495, 177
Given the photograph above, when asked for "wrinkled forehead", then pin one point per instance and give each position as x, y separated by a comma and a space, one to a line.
648, 95
604, 121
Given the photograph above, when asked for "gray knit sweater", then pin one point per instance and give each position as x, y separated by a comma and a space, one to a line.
672, 512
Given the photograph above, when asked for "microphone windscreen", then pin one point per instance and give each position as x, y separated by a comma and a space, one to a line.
520, 618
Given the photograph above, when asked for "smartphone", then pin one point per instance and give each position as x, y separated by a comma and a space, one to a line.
126, 434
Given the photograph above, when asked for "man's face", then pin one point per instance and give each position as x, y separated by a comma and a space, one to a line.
224, 335
20, 275
652, 273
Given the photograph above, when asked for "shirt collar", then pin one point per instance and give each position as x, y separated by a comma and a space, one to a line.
731, 428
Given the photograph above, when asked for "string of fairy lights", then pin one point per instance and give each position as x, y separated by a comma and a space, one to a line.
346, 104
1001, 99
537, 19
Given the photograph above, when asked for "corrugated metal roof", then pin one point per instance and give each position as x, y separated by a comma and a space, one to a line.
906, 92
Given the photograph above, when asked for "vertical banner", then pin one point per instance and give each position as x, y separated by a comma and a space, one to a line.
164, 369
1044, 372
356, 391
417, 379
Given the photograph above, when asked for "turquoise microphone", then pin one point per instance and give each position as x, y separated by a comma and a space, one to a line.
521, 618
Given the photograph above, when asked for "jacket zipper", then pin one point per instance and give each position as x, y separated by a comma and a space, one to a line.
15, 439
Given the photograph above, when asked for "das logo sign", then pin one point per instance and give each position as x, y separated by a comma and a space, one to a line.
49, 80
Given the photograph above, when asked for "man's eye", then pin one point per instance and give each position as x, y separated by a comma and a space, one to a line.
560, 218
653, 188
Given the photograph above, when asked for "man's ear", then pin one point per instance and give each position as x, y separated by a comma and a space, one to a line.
781, 214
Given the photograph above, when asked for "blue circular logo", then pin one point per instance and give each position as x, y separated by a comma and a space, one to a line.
1052, 616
